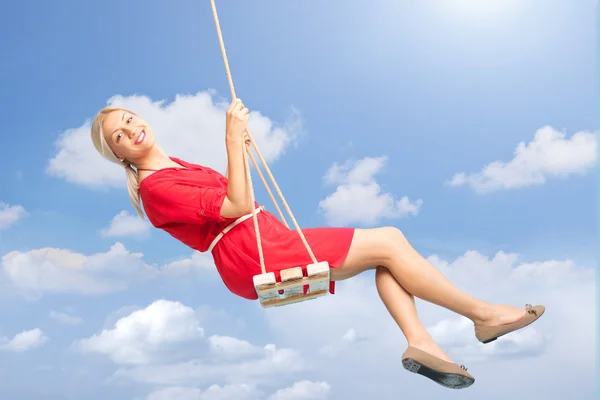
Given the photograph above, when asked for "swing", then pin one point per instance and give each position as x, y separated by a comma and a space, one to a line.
295, 286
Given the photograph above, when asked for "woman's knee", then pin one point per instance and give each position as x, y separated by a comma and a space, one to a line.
394, 233
394, 237
373, 247
389, 242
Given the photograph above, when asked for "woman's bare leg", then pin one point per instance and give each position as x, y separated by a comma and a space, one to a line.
401, 306
388, 247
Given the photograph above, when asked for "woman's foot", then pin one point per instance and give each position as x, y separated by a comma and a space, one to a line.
499, 320
499, 314
445, 373
429, 346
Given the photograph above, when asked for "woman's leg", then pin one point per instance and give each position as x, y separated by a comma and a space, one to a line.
388, 247
401, 305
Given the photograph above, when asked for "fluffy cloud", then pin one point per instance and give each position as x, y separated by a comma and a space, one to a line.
303, 390
45, 271
164, 344
49, 270
10, 215
175, 393
146, 336
192, 127
359, 199
214, 392
197, 262
269, 364
126, 225
230, 348
550, 155
24, 341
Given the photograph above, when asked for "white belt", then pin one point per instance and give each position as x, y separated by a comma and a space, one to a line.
230, 227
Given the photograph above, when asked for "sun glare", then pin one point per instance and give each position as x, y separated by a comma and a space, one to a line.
481, 9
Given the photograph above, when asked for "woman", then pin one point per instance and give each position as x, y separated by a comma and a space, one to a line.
194, 204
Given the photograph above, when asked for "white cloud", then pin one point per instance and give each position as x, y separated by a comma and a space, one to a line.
38, 272
303, 390
550, 155
197, 262
65, 318
164, 344
10, 214
232, 392
359, 199
230, 348
24, 341
271, 363
126, 225
192, 127
175, 393
214, 392
50, 270
146, 336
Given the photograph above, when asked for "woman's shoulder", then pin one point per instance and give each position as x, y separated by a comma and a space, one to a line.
194, 166
169, 174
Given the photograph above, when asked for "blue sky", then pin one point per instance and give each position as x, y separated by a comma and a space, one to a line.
426, 90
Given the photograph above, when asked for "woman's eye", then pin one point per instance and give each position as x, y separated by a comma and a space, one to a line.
129, 119
119, 136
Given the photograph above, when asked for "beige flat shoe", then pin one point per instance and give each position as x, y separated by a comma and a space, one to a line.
487, 334
442, 372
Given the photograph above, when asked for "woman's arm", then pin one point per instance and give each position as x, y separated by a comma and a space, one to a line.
237, 202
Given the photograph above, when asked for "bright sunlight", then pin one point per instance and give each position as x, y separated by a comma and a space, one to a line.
481, 9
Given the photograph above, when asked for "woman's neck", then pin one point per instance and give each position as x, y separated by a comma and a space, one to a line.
155, 159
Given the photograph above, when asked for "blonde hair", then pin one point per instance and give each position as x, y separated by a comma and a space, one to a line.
133, 186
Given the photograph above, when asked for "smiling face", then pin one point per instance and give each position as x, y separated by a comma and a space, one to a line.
128, 136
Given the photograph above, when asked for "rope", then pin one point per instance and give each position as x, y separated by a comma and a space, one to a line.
264, 163
262, 178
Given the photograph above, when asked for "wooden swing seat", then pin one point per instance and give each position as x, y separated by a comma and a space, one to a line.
291, 288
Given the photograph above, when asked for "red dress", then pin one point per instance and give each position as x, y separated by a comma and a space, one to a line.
186, 203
